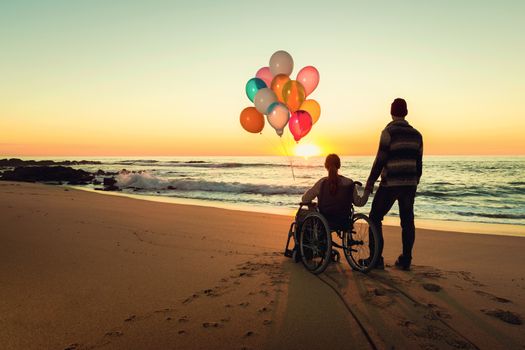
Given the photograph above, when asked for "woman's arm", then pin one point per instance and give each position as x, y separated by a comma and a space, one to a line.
312, 192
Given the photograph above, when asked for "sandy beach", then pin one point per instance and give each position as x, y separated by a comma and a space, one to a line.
81, 270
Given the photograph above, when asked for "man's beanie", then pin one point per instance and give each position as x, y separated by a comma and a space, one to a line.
399, 108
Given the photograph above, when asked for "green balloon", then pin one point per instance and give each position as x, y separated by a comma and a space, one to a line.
252, 86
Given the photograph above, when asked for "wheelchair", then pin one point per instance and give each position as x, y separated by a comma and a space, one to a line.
314, 246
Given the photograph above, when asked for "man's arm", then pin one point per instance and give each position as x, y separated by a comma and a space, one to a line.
380, 161
419, 163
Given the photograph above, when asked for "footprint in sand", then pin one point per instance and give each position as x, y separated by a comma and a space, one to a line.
380, 297
212, 292
505, 316
130, 318
431, 287
164, 310
114, 334
184, 319
72, 346
492, 297
190, 299
436, 313
211, 325
249, 334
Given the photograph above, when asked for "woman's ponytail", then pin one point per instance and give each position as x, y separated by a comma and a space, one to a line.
332, 164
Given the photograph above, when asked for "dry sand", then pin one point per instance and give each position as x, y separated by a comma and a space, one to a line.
82, 270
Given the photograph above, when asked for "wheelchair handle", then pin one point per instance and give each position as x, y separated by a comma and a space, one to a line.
308, 204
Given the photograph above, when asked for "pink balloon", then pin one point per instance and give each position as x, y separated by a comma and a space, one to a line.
265, 75
300, 124
309, 78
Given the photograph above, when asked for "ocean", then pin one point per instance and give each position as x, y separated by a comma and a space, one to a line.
478, 189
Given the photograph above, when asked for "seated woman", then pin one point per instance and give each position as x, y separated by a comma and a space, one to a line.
335, 194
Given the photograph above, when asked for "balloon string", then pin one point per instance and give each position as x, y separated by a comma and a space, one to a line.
271, 143
289, 158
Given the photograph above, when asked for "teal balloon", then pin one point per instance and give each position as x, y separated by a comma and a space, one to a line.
252, 86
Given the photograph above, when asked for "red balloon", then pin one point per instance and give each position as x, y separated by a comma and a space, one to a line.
265, 75
300, 124
309, 78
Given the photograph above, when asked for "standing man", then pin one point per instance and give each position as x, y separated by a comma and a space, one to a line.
399, 161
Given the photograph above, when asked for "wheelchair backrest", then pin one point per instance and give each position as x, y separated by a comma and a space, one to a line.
336, 208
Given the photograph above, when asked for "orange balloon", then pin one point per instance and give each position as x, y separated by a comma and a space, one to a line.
251, 120
293, 94
312, 107
278, 84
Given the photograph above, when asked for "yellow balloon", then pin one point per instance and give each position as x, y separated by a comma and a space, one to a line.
313, 108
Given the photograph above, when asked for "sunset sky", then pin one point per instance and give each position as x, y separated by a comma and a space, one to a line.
91, 78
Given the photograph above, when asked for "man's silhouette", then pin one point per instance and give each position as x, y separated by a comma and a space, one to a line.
399, 162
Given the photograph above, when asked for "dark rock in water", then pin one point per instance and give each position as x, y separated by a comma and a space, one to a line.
47, 174
109, 181
16, 162
101, 172
110, 184
96, 182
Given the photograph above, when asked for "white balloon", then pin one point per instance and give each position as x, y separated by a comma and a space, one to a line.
281, 62
278, 117
263, 99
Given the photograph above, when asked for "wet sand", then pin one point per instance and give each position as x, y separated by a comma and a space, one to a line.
81, 270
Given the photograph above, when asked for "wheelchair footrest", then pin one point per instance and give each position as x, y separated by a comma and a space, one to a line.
288, 253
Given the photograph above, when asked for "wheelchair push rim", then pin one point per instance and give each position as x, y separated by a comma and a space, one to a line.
358, 244
315, 243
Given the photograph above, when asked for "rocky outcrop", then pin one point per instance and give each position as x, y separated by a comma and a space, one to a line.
110, 184
48, 174
16, 162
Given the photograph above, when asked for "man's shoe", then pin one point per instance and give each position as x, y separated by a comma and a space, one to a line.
380, 264
403, 263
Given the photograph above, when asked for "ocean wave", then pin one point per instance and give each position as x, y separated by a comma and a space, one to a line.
492, 215
485, 192
204, 164
436, 194
147, 181
136, 161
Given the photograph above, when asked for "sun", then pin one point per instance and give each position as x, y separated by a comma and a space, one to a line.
307, 150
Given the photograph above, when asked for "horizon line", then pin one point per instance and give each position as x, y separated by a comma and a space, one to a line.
257, 155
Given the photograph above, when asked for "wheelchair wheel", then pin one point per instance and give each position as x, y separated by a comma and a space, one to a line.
315, 243
358, 244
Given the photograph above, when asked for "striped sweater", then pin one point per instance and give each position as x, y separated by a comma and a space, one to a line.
399, 159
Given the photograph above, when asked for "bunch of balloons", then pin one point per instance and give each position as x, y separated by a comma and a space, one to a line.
282, 99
